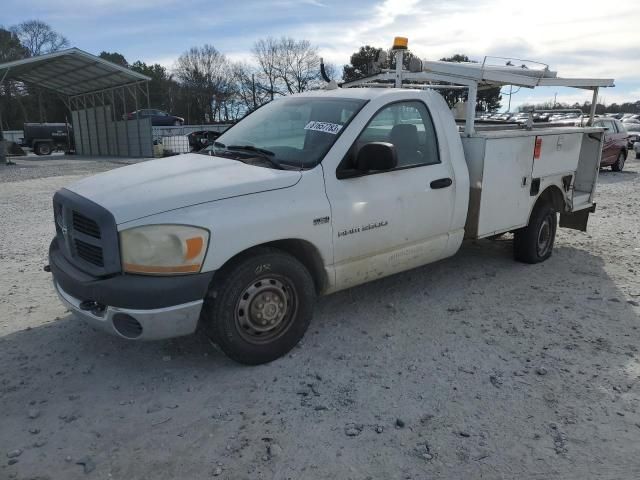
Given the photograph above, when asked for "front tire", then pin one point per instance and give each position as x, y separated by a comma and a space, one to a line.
261, 307
534, 243
619, 165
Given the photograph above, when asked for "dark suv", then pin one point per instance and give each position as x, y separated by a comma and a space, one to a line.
158, 117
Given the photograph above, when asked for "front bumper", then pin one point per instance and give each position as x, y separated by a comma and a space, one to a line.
153, 324
131, 306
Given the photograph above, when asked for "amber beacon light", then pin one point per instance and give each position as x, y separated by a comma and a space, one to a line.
400, 43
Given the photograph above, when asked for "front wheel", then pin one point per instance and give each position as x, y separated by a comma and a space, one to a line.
534, 243
261, 307
619, 165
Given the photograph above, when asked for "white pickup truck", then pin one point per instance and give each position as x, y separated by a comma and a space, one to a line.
308, 195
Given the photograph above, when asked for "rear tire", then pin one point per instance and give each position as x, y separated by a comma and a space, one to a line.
534, 243
261, 306
619, 165
177, 123
42, 148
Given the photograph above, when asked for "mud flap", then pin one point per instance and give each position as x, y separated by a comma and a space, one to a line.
576, 220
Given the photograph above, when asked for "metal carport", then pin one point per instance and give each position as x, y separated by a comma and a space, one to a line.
98, 94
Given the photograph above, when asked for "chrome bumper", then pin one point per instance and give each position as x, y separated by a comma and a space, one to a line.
156, 324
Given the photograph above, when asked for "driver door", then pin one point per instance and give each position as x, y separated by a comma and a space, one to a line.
389, 221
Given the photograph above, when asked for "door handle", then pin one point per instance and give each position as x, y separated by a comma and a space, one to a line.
441, 183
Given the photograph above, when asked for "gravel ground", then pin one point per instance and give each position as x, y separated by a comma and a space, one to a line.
474, 367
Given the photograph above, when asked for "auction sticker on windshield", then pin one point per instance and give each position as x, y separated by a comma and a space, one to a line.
332, 128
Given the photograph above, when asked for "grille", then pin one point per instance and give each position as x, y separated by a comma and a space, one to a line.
89, 253
85, 225
87, 234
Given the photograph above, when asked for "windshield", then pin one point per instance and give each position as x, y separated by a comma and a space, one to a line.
292, 132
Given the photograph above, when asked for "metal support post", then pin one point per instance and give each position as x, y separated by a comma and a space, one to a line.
594, 103
470, 114
399, 56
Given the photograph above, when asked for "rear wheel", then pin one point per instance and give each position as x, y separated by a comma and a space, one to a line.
619, 165
177, 123
534, 243
43, 148
261, 307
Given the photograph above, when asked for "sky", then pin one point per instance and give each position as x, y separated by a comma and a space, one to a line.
575, 38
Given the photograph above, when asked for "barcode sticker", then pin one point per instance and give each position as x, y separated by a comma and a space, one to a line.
326, 127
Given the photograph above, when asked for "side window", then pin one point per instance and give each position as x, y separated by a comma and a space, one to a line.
620, 127
406, 125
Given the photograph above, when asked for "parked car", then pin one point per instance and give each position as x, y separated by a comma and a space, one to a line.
615, 148
158, 117
634, 133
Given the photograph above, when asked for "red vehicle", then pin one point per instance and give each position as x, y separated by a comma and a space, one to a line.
614, 150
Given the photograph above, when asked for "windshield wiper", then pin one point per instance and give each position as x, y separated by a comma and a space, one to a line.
251, 148
266, 154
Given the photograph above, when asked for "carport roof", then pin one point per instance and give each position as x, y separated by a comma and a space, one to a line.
70, 72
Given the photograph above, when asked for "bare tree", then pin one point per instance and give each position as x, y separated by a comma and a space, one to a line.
39, 38
266, 52
206, 73
286, 65
249, 89
298, 64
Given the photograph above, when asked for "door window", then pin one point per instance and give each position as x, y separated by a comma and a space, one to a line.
408, 127
607, 125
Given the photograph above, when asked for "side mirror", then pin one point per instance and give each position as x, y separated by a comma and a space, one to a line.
376, 156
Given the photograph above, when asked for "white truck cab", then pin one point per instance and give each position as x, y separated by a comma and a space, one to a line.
308, 195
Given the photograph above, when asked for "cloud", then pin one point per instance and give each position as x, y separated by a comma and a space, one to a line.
574, 38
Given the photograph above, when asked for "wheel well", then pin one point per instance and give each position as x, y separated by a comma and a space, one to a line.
554, 196
303, 251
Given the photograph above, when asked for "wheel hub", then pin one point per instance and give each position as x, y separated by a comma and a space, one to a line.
263, 308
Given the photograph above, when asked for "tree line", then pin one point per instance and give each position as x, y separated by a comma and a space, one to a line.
205, 86
585, 107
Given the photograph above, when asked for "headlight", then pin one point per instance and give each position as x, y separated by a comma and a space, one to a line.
163, 249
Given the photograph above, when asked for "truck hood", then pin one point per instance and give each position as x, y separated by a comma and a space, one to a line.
157, 186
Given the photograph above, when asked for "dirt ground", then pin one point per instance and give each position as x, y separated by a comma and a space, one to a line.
474, 367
